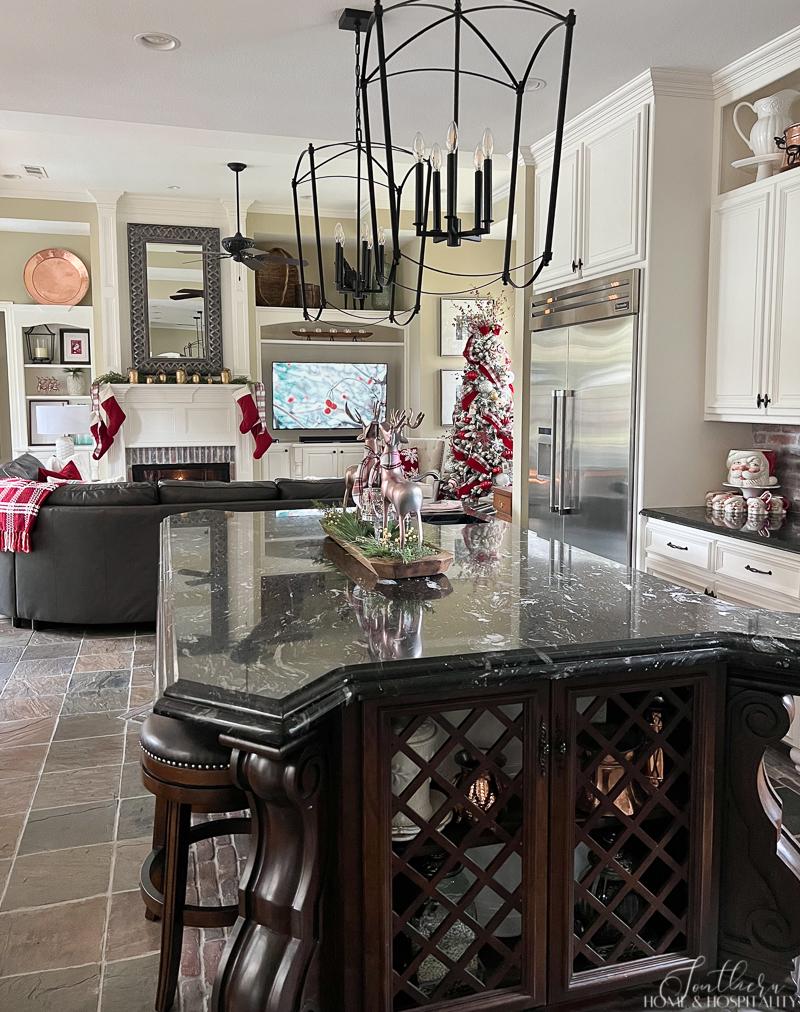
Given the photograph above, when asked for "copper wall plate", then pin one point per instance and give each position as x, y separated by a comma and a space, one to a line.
56, 277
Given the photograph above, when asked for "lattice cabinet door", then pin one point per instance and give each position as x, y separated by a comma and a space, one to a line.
456, 866
632, 803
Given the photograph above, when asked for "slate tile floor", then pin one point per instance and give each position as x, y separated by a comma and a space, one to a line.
75, 825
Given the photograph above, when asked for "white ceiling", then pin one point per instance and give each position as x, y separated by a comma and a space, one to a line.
256, 80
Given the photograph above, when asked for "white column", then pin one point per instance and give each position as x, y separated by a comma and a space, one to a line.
237, 346
521, 345
108, 350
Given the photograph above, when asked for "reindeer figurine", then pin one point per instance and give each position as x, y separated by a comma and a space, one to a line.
397, 490
364, 474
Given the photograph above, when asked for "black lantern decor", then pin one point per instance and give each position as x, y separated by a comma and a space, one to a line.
362, 272
379, 65
40, 341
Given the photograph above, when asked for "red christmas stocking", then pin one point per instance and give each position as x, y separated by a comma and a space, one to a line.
114, 415
247, 406
102, 440
263, 441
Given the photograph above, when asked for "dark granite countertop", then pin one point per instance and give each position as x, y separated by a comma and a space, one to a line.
783, 533
267, 625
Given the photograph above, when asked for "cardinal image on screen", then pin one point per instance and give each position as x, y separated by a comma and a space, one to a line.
312, 395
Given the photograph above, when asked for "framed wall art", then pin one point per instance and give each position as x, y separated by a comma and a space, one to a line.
450, 381
452, 335
75, 348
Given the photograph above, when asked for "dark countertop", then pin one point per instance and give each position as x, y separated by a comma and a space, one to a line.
783, 533
266, 625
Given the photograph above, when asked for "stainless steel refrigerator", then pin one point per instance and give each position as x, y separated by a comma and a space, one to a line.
583, 414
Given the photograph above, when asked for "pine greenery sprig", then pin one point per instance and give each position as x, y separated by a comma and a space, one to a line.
347, 525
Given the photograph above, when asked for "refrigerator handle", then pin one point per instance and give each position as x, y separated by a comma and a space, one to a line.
565, 394
553, 450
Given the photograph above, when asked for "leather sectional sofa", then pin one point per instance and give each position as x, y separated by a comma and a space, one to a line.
94, 557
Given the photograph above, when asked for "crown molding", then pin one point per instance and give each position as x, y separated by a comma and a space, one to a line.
34, 193
758, 68
677, 83
171, 210
627, 98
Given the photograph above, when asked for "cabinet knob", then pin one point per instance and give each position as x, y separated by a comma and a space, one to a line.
577, 265
762, 401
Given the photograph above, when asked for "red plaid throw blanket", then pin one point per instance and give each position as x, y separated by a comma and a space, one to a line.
20, 502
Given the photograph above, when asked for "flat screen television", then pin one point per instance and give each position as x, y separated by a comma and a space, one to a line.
312, 395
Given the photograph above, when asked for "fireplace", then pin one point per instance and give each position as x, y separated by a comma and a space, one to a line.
181, 472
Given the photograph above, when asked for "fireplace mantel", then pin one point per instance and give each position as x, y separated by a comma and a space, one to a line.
177, 414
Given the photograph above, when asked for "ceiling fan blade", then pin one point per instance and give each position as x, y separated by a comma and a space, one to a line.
187, 293
275, 258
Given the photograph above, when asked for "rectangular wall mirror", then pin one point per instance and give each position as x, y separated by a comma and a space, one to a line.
176, 314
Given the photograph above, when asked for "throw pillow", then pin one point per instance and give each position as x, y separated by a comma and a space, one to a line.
69, 472
410, 459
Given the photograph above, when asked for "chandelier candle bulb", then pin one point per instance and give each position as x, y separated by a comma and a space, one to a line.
419, 180
452, 178
478, 162
436, 165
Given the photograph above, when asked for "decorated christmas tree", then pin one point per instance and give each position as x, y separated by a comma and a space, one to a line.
481, 445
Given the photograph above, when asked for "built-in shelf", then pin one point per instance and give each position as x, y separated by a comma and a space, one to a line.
57, 397
51, 365
340, 344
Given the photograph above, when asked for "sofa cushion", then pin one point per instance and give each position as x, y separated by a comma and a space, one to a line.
126, 493
172, 491
311, 489
25, 466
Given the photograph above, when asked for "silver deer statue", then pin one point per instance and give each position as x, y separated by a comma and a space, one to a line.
364, 474
397, 490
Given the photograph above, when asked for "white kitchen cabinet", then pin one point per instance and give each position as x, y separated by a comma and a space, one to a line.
613, 186
321, 461
737, 321
783, 366
601, 205
563, 266
732, 569
350, 454
753, 349
278, 462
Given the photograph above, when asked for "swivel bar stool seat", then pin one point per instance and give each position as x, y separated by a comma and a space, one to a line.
188, 771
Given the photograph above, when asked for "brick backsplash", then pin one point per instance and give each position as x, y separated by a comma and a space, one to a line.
785, 439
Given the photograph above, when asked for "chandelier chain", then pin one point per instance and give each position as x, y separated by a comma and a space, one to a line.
359, 135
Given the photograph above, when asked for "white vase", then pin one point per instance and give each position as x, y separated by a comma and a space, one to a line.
74, 385
773, 115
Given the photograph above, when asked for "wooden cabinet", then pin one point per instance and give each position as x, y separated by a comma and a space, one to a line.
540, 847
601, 208
753, 353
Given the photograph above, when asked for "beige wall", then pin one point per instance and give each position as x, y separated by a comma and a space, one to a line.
16, 248
471, 258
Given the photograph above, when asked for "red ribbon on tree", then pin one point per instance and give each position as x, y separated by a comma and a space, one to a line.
478, 465
487, 372
468, 398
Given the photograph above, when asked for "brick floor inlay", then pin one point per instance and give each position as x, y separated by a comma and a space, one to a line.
75, 825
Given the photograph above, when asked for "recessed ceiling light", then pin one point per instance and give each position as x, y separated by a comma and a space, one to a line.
157, 40
11, 175
535, 84
174, 186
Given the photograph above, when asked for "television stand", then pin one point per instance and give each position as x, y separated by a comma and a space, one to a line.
349, 438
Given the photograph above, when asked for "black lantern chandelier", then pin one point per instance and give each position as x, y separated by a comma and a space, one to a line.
385, 163
379, 66
362, 273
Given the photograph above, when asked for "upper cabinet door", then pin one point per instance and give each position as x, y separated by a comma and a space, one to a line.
783, 386
565, 227
613, 191
738, 281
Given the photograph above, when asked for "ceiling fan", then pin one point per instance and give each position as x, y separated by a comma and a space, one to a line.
242, 250
187, 293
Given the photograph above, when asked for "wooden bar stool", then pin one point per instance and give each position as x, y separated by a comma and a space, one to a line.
188, 771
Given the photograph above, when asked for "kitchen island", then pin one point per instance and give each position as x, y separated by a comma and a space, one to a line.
532, 781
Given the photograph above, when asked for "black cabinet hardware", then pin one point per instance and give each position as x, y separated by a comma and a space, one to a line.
577, 265
679, 548
761, 572
544, 748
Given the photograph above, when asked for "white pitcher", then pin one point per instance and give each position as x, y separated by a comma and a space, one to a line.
773, 115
